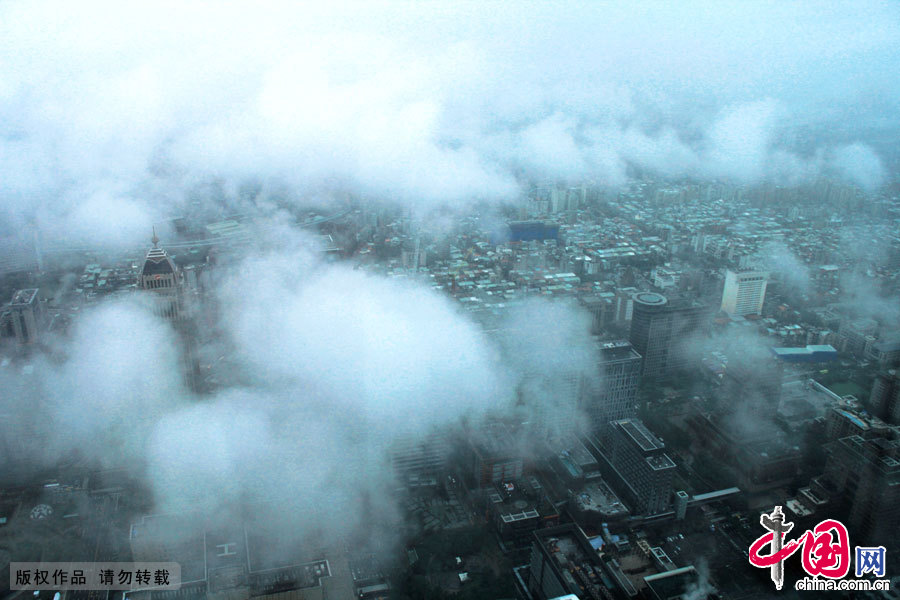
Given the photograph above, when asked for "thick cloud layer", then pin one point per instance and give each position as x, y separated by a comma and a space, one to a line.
552, 358
333, 367
110, 111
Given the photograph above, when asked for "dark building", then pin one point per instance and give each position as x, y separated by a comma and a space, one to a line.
677, 584
639, 462
884, 400
762, 455
865, 474
235, 561
660, 330
516, 508
564, 562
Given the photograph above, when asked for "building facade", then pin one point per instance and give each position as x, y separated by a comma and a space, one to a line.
27, 317
620, 375
639, 461
160, 276
884, 400
744, 292
661, 331
866, 475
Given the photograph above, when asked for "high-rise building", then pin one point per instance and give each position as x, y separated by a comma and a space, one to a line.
625, 303
661, 331
855, 336
163, 281
744, 292
866, 475
616, 393
160, 276
641, 464
884, 400
601, 309
27, 316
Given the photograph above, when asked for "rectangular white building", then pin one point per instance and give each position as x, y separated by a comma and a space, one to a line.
744, 292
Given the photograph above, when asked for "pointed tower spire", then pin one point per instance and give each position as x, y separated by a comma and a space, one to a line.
155, 239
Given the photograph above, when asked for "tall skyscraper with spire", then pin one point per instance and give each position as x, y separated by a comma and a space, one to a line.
160, 276
162, 280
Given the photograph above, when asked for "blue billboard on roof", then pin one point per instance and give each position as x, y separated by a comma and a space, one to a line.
525, 231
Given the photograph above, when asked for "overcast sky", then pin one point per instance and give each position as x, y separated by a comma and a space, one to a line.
109, 111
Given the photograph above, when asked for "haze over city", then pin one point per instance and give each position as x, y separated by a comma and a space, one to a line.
433, 300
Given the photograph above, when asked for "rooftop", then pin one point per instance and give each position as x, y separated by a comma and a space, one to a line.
676, 583
640, 435
617, 350
575, 560
650, 299
658, 462
24, 296
597, 496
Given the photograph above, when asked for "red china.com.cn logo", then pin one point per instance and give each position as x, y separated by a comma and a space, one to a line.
825, 553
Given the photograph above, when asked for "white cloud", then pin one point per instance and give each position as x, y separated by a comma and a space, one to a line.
440, 102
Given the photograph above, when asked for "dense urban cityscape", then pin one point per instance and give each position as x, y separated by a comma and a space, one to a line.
546, 382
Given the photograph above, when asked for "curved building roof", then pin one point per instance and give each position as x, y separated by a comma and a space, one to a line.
650, 299
157, 261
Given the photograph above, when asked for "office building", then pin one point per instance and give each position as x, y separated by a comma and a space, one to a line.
681, 503
601, 307
661, 331
856, 336
26, 316
638, 459
884, 400
624, 303
820, 353
865, 473
616, 393
232, 561
744, 292
885, 351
